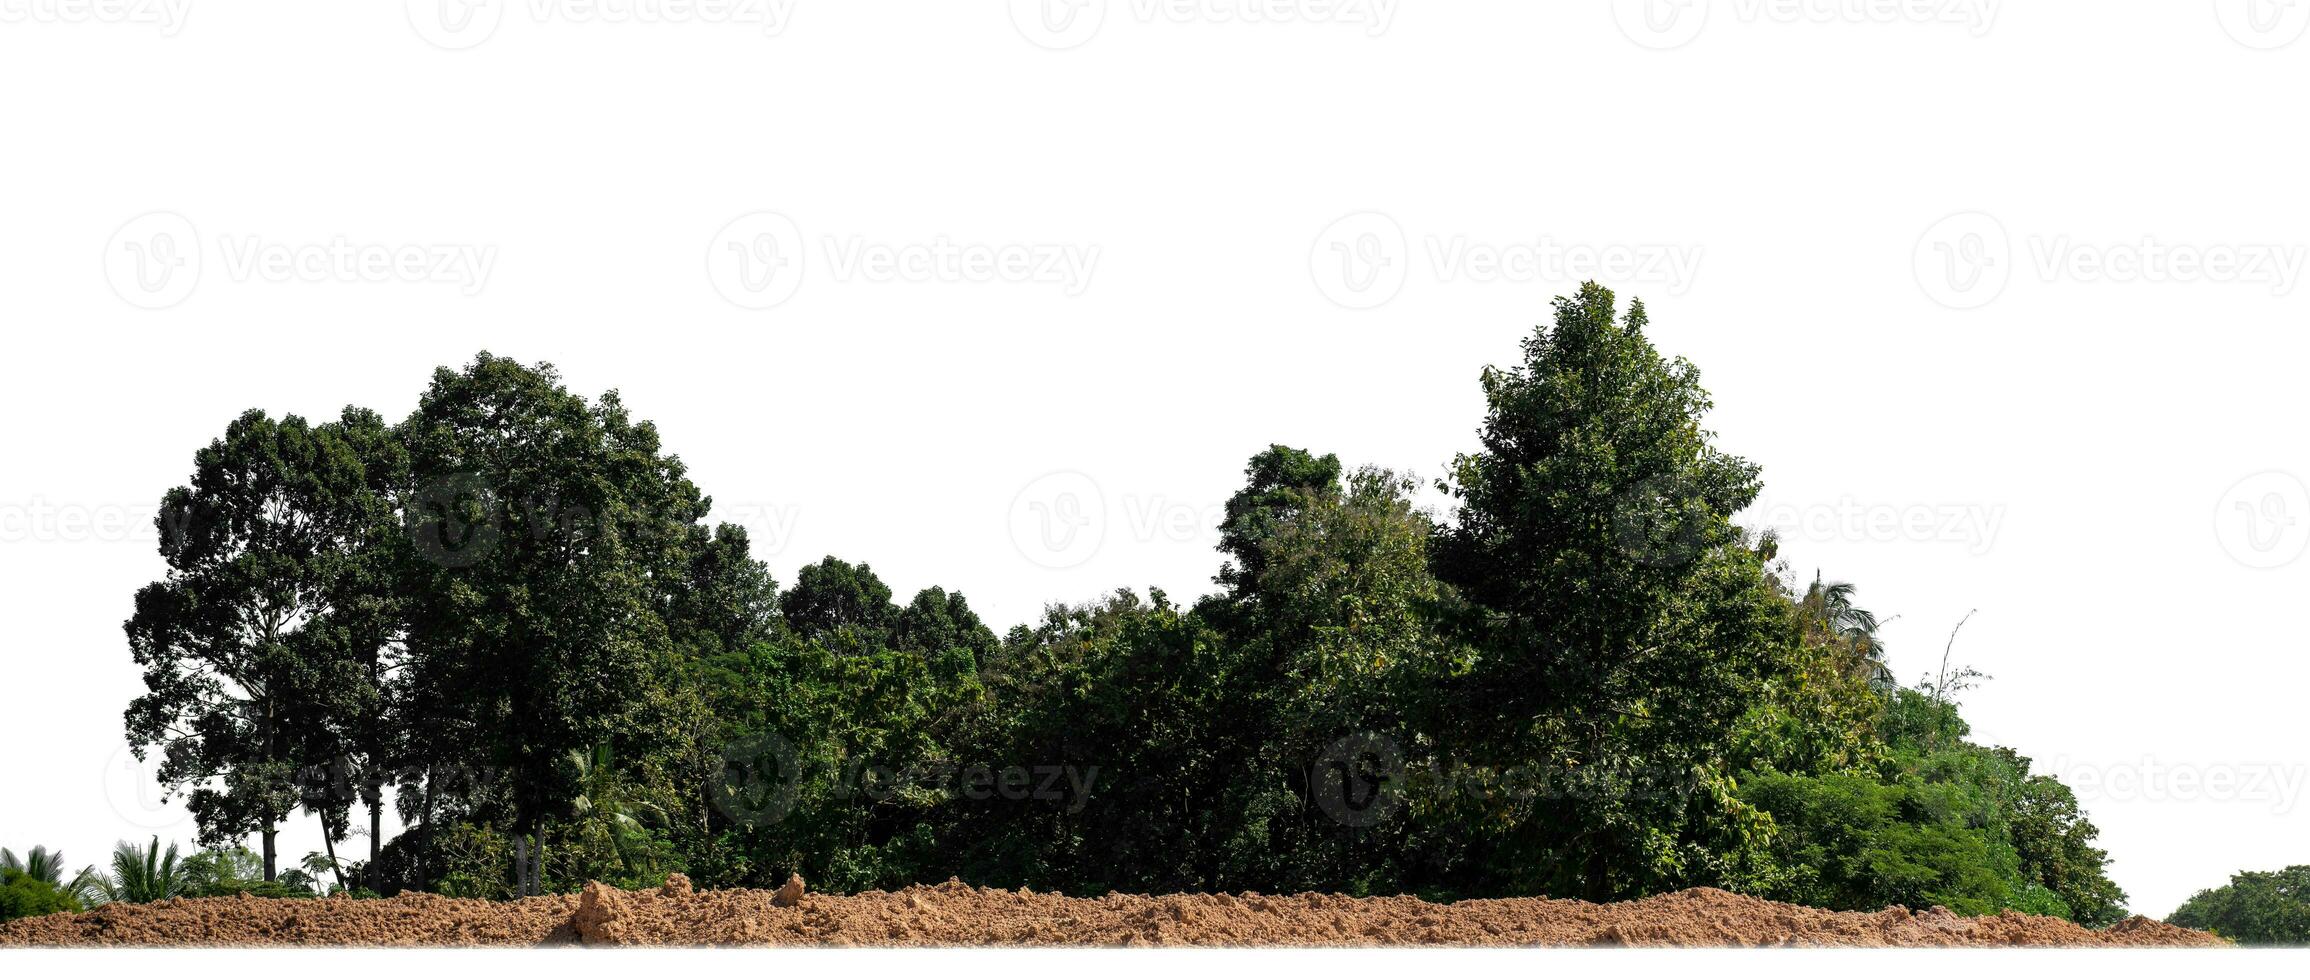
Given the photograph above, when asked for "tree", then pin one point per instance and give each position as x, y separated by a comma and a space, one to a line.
2258, 908
839, 605
550, 534
1622, 628
254, 646
1832, 619
146, 875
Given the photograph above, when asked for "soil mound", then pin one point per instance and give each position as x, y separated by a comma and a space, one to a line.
954, 914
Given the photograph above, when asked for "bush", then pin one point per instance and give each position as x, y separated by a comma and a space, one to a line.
23, 895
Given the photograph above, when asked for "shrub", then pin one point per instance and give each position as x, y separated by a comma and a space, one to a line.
23, 895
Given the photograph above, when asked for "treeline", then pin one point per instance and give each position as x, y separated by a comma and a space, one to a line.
506, 617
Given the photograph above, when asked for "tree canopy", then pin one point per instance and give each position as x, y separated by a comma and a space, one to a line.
509, 614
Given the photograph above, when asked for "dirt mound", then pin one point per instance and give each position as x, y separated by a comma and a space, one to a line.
954, 914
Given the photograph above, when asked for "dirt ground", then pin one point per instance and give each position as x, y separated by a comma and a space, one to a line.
954, 914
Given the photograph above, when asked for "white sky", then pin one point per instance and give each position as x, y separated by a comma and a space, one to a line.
2067, 441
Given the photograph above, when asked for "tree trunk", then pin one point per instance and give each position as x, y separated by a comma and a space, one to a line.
331, 847
521, 866
424, 859
271, 856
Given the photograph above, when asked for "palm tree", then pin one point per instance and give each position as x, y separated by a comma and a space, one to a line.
1831, 616
603, 806
146, 875
48, 866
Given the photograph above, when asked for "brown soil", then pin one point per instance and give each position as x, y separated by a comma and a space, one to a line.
955, 914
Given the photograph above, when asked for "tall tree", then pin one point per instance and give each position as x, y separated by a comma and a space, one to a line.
1622, 628
251, 643
548, 534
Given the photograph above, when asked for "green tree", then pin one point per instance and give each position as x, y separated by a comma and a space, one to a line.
147, 875
548, 532
839, 605
1623, 628
2260, 908
254, 646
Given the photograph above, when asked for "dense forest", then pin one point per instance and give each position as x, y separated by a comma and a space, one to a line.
508, 619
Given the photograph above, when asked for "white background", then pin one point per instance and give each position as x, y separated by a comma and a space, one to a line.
1954, 414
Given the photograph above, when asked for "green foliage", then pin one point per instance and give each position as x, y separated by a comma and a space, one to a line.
229, 871
1939, 822
256, 648
23, 894
2258, 908
1623, 629
147, 874
41, 864
1585, 681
